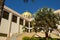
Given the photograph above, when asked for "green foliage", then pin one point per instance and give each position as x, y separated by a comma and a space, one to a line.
26, 38
46, 18
54, 39
34, 38
41, 38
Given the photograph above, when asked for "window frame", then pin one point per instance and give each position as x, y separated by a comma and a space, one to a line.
5, 15
21, 21
14, 18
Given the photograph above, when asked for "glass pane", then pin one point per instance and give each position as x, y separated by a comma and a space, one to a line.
14, 18
26, 23
21, 21
5, 15
3, 35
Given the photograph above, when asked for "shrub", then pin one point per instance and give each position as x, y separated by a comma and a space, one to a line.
39, 38
26, 38
54, 39
33, 38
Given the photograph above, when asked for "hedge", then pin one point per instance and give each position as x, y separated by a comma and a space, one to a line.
40, 38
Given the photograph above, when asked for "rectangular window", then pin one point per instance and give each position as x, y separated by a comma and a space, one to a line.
21, 21
3, 35
26, 23
14, 18
5, 15
30, 24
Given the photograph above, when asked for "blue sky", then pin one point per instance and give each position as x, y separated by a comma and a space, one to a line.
20, 6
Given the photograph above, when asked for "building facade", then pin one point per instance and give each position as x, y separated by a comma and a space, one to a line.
12, 22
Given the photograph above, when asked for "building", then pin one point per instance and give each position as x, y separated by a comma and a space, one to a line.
12, 22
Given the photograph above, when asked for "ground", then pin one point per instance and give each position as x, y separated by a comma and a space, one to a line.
41, 34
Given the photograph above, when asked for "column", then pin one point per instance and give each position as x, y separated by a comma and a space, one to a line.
18, 20
24, 22
10, 18
29, 27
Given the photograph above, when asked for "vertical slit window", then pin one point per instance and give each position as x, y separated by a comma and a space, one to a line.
14, 18
30, 24
5, 15
26, 23
21, 21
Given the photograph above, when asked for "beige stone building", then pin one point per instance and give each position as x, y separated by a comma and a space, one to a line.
12, 22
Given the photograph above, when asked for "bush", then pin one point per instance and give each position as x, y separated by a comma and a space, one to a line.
39, 38
26, 38
34, 38
54, 39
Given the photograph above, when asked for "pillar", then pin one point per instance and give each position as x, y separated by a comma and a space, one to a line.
23, 24
29, 27
18, 20
10, 19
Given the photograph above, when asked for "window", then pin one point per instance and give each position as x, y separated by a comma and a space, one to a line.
24, 15
29, 16
14, 18
21, 21
5, 15
26, 30
26, 23
3, 35
30, 24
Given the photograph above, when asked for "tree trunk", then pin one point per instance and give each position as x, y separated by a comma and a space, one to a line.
46, 34
1, 8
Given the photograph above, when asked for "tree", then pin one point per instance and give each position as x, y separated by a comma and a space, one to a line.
47, 19
1, 8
